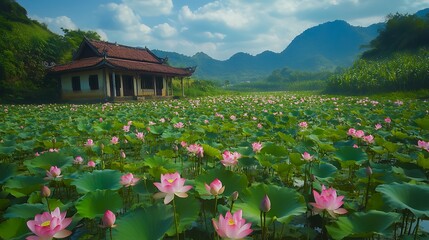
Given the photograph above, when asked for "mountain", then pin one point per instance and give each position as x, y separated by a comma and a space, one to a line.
322, 47
328, 45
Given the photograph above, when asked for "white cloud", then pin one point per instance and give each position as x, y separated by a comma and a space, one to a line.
55, 24
164, 30
150, 7
102, 34
215, 35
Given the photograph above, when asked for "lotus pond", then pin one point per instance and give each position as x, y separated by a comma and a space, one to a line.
278, 166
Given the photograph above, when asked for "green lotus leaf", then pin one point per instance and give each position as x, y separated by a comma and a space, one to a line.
24, 210
323, 170
296, 159
363, 225
13, 228
46, 160
94, 204
7, 170
423, 162
21, 186
149, 223
285, 203
211, 151
423, 123
98, 180
231, 180
187, 210
350, 155
406, 196
411, 173
275, 150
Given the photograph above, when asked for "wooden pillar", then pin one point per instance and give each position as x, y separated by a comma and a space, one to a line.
154, 85
121, 89
135, 85
171, 85
183, 87
114, 84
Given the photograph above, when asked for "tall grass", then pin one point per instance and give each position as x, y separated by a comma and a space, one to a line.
400, 72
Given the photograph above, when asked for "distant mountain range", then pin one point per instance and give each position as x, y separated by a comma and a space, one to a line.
323, 47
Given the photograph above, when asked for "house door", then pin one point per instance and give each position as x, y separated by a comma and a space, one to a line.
159, 86
128, 85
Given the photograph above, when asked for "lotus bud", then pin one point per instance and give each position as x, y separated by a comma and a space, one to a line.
368, 171
123, 154
45, 191
109, 219
265, 204
234, 196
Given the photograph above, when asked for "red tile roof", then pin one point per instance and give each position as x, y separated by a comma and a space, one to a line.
78, 64
124, 52
98, 62
139, 60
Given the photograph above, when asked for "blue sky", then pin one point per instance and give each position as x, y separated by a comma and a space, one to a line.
218, 28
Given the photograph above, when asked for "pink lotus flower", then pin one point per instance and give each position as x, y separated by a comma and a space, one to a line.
378, 126
115, 140
355, 146
259, 125
78, 160
178, 125
388, 120
91, 164
329, 201
100, 120
230, 159
171, 184
256, 146
108, 219
423, 145
49, 225
303, 124
196, 149
130, 123
128, 180
351, 132
369, 139
89, 143
232, 226
53, 173
359, 134
215, 188
126, 128
183, 144
140, 135
233, 117
307, 157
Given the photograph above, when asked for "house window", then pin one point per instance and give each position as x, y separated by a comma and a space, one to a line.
146, 82
76, 83
93, 82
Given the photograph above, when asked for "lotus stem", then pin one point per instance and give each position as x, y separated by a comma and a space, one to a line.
47, 204
215, 207
175, 219
367, 191
110, 231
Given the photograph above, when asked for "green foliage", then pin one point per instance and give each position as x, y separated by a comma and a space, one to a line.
402, 33
400, 72
27, 48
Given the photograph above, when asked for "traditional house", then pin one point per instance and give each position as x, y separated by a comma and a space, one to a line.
102, 70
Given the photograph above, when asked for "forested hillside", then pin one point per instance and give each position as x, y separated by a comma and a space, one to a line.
26, 49
396, 60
